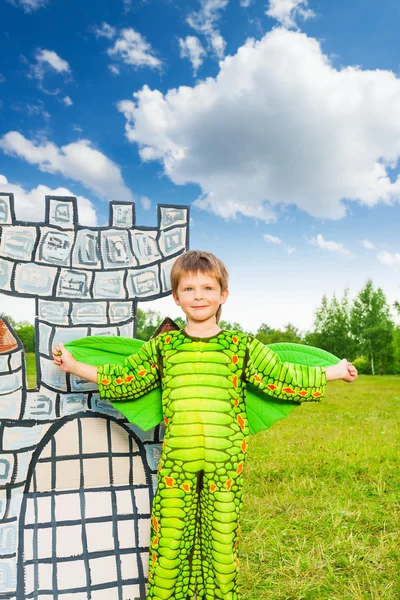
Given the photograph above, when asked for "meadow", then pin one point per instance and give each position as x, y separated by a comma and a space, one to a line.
322, 498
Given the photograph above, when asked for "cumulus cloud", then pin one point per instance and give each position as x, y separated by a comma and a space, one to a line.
192, 49
245, 3
114, 69
329, 245
279, 125
2, 78
29, 6
67, 101
287, 11
105, 30
204, 21
79, 161
134, 50
272, 239
30, 205
367, 244
389, 258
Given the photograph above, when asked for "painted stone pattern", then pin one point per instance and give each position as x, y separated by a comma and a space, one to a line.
76, 480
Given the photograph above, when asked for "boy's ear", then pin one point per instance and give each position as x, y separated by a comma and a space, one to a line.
175, 297
224, 296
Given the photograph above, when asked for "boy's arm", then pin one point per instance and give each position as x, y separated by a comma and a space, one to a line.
289, 381
139, 375
286, 381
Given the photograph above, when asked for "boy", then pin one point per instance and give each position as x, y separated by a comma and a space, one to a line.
203, 372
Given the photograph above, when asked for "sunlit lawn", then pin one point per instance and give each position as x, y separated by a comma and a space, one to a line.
321, 516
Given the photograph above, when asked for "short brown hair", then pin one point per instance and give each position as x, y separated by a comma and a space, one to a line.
199, 261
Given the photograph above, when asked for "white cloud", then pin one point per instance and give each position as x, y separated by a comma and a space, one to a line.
250, 146
105, 30
29, 6
245, 3
367, 244
114, 69
48, 61
204, 22
329, 245
51, 59
287, 11
29, 204
389, 258
67, 101
2, 78
78, 161
133, 49
145, 202
192, 49
272, 239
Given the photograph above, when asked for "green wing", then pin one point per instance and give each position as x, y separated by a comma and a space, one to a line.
146, 411
263, 410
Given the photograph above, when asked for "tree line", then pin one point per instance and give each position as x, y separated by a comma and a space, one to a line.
362, 330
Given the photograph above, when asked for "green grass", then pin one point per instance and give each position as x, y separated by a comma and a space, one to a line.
31, 369
322, 499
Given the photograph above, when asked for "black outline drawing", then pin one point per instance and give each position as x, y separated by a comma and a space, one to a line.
58, 262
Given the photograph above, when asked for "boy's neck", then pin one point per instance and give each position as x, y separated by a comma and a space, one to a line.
202, 329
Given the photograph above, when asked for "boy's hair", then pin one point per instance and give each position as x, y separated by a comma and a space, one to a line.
200, 261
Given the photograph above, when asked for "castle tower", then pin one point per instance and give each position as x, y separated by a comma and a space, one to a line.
70, 466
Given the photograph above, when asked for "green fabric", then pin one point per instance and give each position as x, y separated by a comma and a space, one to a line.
263, 410
195, 511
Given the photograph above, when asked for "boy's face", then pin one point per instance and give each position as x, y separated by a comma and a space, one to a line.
199, 295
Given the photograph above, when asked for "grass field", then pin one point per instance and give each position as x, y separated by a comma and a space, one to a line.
322, 499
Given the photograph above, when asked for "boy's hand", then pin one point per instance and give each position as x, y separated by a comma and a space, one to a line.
350, 373
343, 370
63, 359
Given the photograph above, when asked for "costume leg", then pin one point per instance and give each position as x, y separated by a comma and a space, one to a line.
173, 530
220, 501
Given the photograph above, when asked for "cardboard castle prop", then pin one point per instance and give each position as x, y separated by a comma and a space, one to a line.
76, 480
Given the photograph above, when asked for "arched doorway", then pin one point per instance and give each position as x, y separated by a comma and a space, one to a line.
85, 517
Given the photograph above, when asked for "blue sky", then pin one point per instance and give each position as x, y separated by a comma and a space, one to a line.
278, 122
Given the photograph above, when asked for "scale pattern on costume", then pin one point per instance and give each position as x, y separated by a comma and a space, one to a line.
195, 514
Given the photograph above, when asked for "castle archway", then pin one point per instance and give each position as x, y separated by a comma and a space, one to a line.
85, 517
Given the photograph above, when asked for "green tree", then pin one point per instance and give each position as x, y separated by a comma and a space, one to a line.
26, 333
396, 341
372, 326
267, 335
230, 326
331, 329
146, 323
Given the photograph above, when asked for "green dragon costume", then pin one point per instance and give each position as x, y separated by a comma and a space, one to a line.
208, 415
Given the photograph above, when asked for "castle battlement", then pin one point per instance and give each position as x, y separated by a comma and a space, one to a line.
58, 258
66, 456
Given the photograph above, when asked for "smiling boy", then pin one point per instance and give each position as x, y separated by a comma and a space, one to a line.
203, 372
